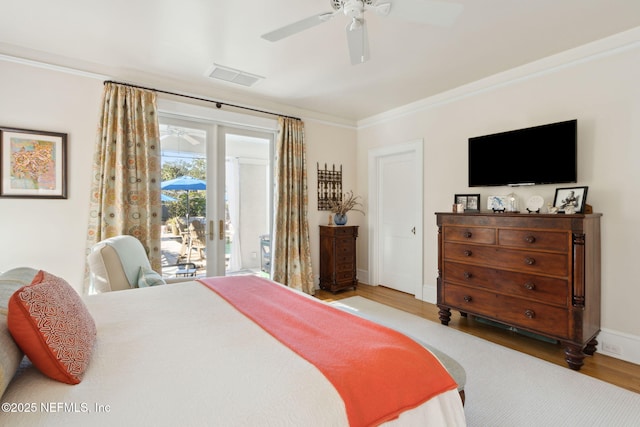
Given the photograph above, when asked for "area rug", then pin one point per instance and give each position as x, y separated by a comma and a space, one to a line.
507, 388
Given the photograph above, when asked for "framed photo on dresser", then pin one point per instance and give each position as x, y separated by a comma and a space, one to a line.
471, 202
570, 199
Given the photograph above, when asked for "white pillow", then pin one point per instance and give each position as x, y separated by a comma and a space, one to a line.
10, 353
147, 277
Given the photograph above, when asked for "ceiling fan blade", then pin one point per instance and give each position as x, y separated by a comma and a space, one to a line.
381, 9
296, 27
192, 140
432, 12
358, 41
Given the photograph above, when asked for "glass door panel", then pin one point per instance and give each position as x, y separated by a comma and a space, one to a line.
218, 221
248, 201
184, 196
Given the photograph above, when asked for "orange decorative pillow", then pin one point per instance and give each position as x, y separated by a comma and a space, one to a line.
53, 327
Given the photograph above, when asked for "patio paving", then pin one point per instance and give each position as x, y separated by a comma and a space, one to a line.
171, 246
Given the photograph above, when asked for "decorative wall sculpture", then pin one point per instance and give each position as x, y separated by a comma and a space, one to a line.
329, 186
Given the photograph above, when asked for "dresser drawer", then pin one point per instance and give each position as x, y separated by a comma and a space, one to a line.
344, 231
345, 276
528, 314
345, 266
345, 258
533, 239
519, 260
481, 235
345, 246
540, 288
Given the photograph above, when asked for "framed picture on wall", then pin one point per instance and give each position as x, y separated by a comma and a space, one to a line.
471, 202
33, 164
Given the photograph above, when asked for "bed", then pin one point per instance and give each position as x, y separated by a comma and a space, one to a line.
191, 354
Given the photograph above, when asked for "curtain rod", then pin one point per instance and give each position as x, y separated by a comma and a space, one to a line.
218, 103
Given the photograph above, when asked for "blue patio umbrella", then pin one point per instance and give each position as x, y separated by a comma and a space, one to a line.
184, 183
165, 198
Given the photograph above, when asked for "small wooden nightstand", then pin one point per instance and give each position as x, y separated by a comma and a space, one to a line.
338, 257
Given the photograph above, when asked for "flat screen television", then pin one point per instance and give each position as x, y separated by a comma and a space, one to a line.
544, 154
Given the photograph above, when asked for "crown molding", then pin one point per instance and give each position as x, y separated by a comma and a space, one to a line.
52, 67
613, 45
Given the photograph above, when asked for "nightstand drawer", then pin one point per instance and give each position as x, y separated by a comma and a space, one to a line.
345, 266
341, 231
540, 288
534, 239
345, 276
528, 314
492, 256
485, 236
345, 246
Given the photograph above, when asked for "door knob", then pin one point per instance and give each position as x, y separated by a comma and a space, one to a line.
413, 230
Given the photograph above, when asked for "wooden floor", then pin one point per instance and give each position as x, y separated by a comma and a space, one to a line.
609, 369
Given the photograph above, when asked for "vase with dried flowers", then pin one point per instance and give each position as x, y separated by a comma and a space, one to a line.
348, 202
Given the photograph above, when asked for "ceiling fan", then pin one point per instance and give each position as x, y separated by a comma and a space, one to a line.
194, 138
439, 13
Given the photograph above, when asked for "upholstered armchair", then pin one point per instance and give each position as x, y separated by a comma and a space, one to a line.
121, 262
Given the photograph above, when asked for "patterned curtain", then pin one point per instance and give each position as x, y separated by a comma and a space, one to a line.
291, 252
125, 192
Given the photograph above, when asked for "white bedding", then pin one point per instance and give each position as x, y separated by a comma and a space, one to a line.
180, 355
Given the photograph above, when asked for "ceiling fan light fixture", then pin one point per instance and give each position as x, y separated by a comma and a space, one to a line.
356, 24
228, 74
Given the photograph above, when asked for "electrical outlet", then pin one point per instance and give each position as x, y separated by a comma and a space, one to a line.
611, 348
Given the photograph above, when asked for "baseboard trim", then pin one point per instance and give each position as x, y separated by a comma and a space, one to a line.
363, 276
430, 293
619, 345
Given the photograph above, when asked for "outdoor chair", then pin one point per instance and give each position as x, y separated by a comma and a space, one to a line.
198, 239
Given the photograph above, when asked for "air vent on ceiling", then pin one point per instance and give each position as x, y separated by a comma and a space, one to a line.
228, 74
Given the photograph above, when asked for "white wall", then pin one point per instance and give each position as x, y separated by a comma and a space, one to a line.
333, 145
603, 93
41, 233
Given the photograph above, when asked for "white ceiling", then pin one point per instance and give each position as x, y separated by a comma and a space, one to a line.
173, 43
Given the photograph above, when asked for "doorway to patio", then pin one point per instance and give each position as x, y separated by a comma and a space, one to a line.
219, 222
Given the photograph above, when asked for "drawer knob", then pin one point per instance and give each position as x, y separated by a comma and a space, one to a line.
530, 239
467, 234
467, 252
467, 298
467, 275
529, 261
530, 314
530, 286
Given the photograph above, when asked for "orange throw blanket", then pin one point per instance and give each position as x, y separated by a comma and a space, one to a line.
377, 371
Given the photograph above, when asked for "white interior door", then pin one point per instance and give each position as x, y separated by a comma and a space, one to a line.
396, 185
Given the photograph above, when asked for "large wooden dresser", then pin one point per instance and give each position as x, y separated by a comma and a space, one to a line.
338, 257
535, 272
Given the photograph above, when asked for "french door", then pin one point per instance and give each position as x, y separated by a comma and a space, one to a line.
225, 226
